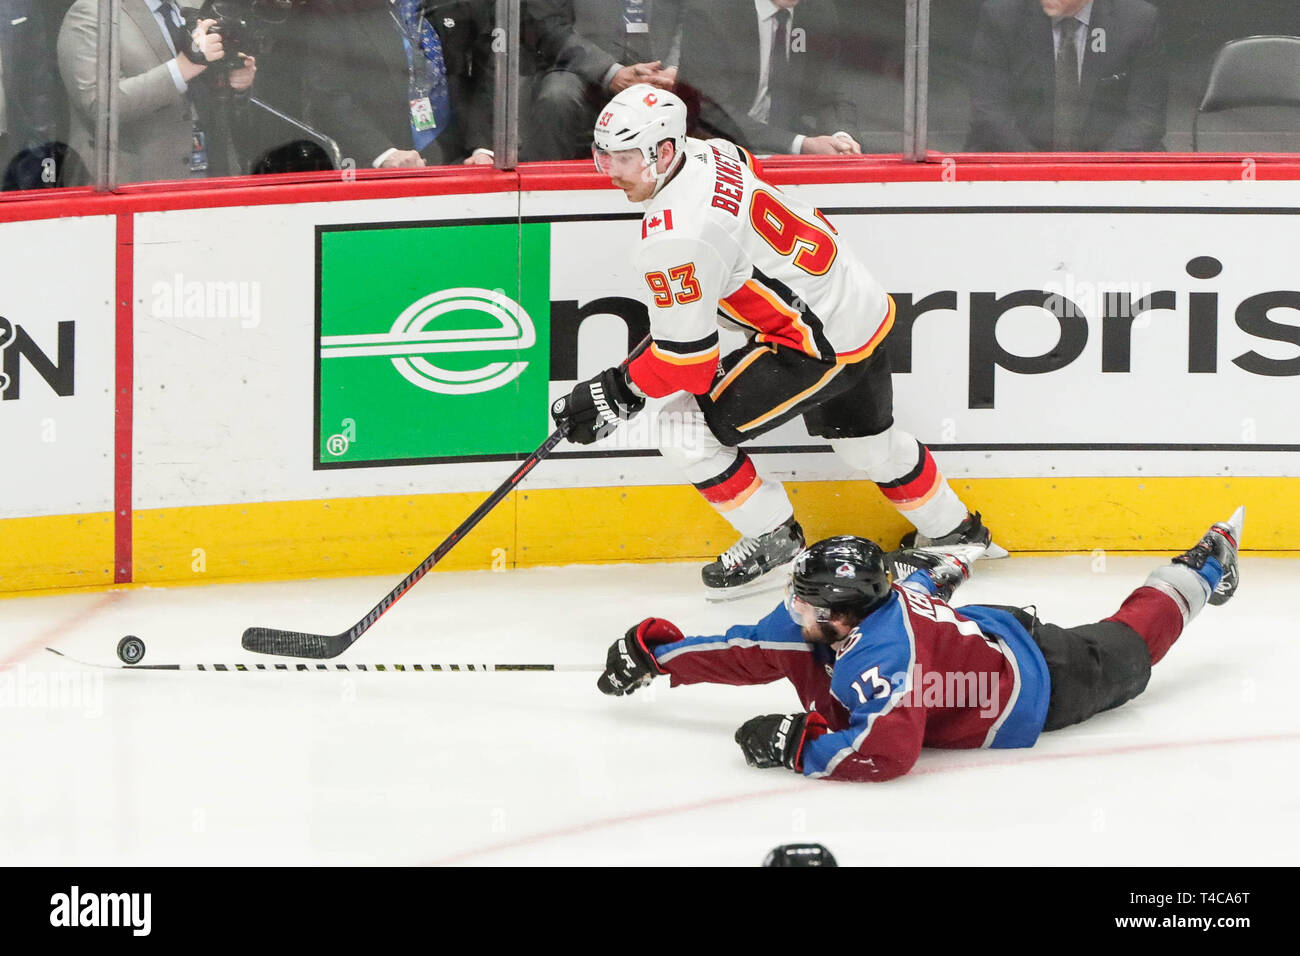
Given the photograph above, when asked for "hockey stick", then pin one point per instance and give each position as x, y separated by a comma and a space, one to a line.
269, 640
334, 668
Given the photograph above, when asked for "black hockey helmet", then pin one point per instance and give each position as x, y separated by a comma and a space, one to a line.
844, 573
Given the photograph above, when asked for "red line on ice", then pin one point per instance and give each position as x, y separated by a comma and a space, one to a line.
643, 815
52, 634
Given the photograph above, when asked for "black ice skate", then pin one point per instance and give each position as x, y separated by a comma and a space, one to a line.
947, 570
753, 564
969, 540
1221, 543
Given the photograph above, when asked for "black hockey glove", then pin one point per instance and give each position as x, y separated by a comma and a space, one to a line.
777, 740
594, 408
630, 662
947, 571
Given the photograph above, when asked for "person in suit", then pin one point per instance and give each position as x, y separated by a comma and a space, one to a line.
168, 125
363, 65
608, 46
1068, 75
32, 110
361, 77
767, 74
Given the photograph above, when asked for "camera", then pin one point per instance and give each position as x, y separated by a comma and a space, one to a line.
243, 25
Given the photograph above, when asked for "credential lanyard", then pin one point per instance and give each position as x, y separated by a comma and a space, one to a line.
416, 87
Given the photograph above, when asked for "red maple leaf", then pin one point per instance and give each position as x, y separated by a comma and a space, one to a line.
655, 223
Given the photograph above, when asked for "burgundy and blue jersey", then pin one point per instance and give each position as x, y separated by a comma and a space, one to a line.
914, 673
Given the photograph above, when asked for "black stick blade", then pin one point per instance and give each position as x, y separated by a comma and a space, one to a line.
267, 640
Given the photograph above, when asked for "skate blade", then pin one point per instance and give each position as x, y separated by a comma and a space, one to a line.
773, 580
1236, 523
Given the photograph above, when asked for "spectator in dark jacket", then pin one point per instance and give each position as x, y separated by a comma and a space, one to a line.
1068, 75
606, 46
768, 74
360, 78
33, 111
364, 89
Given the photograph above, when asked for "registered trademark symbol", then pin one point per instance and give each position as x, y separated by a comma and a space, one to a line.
337, 444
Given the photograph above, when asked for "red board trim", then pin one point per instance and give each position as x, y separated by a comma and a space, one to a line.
123, 400
578, 175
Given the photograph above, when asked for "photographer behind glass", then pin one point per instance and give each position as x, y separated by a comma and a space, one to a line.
171, 127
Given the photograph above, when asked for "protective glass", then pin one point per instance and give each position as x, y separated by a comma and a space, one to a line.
601, 157
801, 612
624, 163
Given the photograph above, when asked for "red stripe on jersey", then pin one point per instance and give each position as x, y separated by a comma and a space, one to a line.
920, 489
658, 377
763, 310
734, 486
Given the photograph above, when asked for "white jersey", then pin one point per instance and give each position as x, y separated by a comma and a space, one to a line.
719, 245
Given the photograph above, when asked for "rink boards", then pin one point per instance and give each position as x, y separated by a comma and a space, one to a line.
285, 389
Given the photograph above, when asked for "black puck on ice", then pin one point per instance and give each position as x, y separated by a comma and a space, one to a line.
130, 650
800, 854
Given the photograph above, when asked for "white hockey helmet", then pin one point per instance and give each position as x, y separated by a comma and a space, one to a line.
641, 117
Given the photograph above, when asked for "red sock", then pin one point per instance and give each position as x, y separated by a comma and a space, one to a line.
1155, 616
733, 487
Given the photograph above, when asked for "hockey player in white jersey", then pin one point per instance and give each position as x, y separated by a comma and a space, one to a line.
721, 246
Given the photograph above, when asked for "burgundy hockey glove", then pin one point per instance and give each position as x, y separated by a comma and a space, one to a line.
777, 740
630, 662
594, 408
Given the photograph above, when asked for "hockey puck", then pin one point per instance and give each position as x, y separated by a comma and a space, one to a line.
800, 854
130, 650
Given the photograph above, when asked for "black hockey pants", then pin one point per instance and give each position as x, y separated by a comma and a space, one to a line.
1093, 667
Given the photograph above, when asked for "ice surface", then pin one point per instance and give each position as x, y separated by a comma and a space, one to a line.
111, 767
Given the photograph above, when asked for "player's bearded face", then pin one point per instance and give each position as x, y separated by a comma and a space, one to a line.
821, 632
813, 623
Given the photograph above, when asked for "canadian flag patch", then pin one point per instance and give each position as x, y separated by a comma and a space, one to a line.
658, 222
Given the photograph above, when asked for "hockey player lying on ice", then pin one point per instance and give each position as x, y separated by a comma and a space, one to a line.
882, 670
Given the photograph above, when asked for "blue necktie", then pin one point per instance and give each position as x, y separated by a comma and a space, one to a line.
180, 37
427, 69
